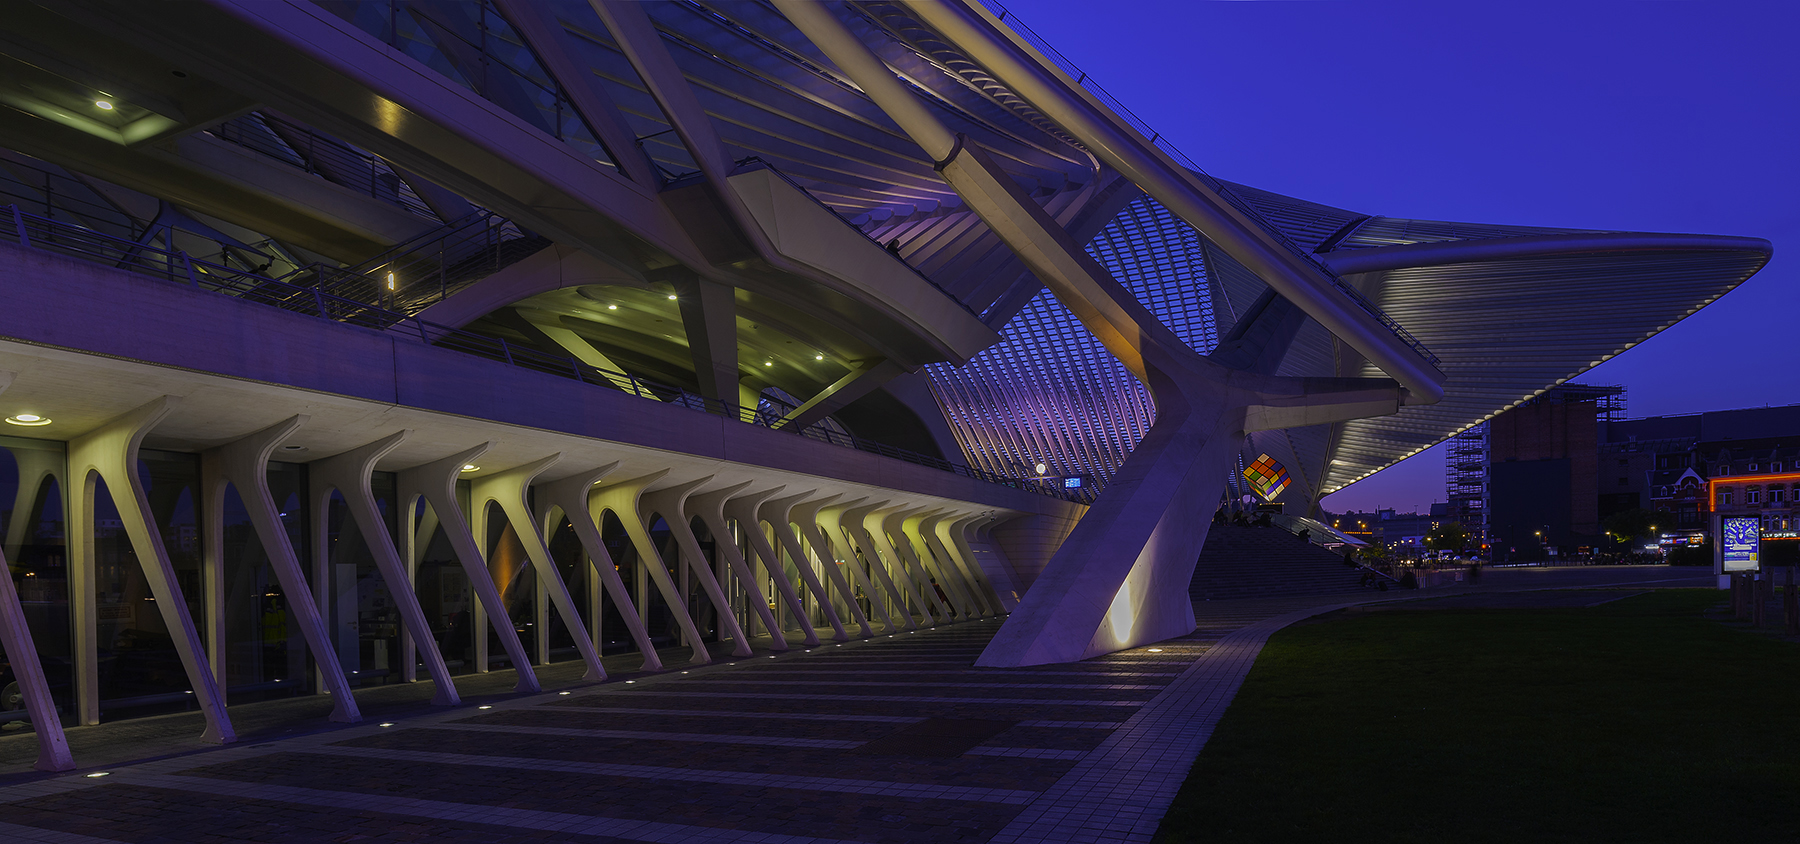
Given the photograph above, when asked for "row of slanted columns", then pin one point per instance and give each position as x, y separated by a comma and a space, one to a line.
830, 564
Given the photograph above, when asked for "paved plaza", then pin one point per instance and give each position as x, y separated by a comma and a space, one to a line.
894, 739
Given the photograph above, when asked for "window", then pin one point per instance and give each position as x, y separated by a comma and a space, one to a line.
1753, 468
1775, 467
1724, 470
1776, 496
1725, 498
1752, 496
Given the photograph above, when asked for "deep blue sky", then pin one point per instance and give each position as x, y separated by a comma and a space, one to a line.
1677, 117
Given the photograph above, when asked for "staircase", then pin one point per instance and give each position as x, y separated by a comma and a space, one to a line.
1258, 562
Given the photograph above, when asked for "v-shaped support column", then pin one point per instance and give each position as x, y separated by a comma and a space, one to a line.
622, 499
751, 513
508, 490
710, 507
110, 453
671, 504
34, 468
849, 523
822, 523
15, 633
244, 464
570, 496
351, 474
932, 530
436, 482
908, 541
889, 530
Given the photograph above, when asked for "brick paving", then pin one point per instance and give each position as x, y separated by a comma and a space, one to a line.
896, 739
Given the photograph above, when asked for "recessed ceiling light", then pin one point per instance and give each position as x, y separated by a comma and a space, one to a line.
293, 448
103, 105
671, 297
818, 357
612, 307
768, 363
28, 420
470, 467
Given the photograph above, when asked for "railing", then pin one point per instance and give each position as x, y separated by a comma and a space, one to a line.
34, 232
1112, 103
427, 269
323, 156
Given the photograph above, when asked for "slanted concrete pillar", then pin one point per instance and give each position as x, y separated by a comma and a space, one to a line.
779, 514
822, 522
436, 483
110, 453
884, 528
711, 508
671, 503
848, 522
351, 474
15, 634
927, 533
570, 496
508, 490
622, 499
910, 545
244, 464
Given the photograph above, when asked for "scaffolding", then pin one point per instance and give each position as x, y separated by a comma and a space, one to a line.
1467, 460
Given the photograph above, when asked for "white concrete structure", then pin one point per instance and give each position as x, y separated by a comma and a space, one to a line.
538, 329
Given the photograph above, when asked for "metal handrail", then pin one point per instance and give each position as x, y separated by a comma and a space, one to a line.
42, 233
304, 148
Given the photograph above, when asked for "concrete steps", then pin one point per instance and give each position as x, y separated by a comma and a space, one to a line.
1255, 562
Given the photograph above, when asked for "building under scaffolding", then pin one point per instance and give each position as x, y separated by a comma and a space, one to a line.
1467, 465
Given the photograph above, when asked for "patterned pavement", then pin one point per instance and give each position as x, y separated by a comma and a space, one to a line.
896, 739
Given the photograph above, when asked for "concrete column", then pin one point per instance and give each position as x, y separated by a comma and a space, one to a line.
110, 453
711, 508
848, 523
622, 499
884, 527
925, 532
436, 481
350, 473
998, 578
244, 464
908, 542
778, 514
820, 522
570, 496
671, 503
15, 634
508, 490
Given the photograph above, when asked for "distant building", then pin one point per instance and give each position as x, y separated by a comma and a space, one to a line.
1526, 483
1690, 466
1401, 532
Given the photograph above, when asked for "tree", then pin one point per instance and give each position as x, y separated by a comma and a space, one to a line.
1449, 536
1627, 525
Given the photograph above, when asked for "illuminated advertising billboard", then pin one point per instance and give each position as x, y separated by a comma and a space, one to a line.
1267, 477
1741, 542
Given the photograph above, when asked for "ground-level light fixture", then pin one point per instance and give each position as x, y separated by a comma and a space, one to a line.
28, 420
98, 774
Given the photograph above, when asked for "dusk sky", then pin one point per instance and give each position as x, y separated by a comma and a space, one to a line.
1657, 117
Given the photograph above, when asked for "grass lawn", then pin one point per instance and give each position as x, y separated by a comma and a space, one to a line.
1635, 721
